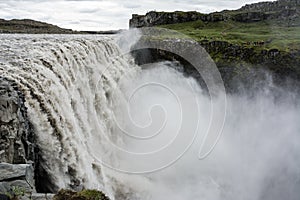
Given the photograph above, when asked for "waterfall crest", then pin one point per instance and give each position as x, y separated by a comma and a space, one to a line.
76, 87
60, 77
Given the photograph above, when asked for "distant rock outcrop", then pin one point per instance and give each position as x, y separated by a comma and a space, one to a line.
284, 10
271, 6
30, 26
158, 18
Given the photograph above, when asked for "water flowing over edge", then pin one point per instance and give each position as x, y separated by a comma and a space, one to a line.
69, 84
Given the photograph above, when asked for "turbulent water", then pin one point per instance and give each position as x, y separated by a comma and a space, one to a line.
67, 90
103, 122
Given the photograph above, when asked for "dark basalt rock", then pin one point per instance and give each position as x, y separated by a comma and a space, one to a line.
158, 18
271, 6
283, 10
17, 142
21, 175
235, 63
17, 139
16, 132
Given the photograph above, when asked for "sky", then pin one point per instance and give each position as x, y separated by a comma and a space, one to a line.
95, 15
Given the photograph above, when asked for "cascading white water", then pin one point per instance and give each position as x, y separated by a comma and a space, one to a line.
87, 101
60, 76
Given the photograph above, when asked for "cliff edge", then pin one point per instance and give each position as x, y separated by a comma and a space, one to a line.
282, 10
257, 36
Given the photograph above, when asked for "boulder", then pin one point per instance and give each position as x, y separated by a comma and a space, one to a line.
20, 176
10, 171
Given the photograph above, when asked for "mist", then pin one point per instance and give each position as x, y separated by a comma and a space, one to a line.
257, 156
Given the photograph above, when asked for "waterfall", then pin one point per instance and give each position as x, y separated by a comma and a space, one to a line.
96, 115
60, 77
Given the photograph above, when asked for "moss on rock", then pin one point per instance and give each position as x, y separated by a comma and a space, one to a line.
82, 195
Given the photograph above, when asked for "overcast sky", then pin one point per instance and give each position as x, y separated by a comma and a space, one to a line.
103, 14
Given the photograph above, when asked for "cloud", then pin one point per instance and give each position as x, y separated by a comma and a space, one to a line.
132, 5
103, 14
89, 10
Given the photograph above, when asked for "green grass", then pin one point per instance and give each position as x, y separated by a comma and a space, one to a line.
272, 34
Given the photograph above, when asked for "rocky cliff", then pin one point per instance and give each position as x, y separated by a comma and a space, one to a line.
271, 6
278, 10
20, 165
237, 65
257, 36
16, 133
17, 142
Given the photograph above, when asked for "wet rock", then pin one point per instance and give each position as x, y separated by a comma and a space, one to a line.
19, 176
235, 63
20, 184
10, 171
40, 196
17, 139
16, 133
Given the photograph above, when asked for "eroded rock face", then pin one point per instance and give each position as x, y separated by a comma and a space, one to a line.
16, 134
238, 65
271, 6
159, 18
282, 10
21, 176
